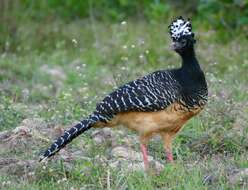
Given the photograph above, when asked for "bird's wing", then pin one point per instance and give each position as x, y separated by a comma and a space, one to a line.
153, 92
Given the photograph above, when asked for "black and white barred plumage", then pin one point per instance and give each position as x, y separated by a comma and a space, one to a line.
151, 93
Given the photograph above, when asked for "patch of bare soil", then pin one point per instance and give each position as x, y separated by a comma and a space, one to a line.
19, 148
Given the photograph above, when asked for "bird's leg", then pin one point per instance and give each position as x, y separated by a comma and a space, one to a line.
145, 156
143, 146
167, 138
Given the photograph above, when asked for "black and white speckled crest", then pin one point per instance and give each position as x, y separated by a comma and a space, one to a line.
179, 28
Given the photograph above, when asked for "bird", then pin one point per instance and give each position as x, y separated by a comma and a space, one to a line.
159, 103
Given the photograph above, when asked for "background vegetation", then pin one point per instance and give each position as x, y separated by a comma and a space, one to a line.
59, 58
224, 16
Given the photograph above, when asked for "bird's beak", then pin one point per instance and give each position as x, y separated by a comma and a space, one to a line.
176, 45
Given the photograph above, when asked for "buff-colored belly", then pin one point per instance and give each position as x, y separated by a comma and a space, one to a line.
148, 123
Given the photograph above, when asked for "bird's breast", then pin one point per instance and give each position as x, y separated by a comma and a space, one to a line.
170, 119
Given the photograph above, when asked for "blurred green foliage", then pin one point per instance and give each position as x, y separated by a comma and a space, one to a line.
221, 13
101, 9
225, 16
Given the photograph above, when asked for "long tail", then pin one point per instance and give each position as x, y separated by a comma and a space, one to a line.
69, 135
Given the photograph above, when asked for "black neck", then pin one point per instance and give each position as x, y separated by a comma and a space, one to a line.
189, 60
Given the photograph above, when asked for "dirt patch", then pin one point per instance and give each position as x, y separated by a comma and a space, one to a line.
19, 147
238, 177
17, 167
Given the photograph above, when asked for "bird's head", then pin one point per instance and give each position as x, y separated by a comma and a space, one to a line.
181, 35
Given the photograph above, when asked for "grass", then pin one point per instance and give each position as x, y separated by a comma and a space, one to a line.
58, 72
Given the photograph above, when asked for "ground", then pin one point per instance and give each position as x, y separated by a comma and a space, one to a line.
55, 74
